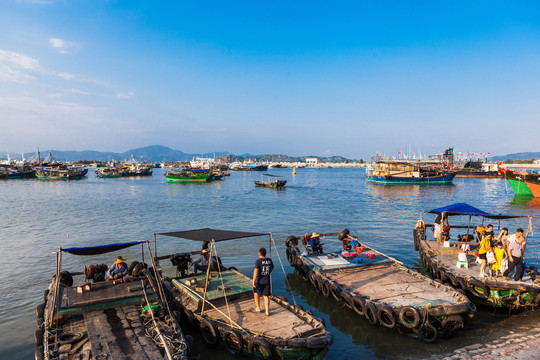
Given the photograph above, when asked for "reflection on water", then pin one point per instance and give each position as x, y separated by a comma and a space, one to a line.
38, 217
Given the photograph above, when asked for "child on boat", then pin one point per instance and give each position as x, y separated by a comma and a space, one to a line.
500, 255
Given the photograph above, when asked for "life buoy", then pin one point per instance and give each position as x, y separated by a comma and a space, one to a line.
347, 299
371, 313
233, 341
209, 334
427, 332
359, 305
386, 316
473, 285
409, 317
260, 349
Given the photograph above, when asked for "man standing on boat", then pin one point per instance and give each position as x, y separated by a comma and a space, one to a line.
515, 254
261, 281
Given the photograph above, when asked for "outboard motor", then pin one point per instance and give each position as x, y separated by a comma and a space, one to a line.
96, 273
181, 261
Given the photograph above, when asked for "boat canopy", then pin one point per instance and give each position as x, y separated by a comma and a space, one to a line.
208, 234
100, 249
466, 209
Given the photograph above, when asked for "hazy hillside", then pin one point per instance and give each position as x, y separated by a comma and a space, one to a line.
517, 156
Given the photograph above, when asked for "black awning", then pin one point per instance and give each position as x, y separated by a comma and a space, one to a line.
208, 234
100, 249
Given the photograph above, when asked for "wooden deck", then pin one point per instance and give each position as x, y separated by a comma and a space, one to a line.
281, 323
391, 285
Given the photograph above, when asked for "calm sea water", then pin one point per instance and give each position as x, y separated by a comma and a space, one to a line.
38, 217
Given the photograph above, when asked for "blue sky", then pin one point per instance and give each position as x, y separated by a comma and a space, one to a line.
320, 78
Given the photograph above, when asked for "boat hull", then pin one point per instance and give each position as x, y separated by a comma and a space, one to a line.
184, 179
397, 180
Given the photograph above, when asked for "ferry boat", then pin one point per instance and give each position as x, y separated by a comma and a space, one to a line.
526, 184
454, 262
219, 302
402, 171
86, 316
379, 287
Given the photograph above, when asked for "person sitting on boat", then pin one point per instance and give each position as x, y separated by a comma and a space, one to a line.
119, 269
261, 281
515, 249
201, 264
441, 222
314, 244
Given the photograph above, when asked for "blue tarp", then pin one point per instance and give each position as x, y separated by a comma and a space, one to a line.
101, 249
466, 209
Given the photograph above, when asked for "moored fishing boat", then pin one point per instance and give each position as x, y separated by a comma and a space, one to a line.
478, 169
17, 172
60, 173
188, 174
523, 183
109, 172
380, 288
220, 302
433, 170
125, 318
274, 183
454, 262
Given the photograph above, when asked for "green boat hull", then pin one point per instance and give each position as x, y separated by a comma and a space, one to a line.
194, 178
520, 187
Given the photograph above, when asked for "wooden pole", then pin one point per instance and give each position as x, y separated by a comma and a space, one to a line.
155, 323
380, 253
212, 245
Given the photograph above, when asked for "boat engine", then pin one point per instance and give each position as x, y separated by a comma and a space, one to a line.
181, 261
96, 273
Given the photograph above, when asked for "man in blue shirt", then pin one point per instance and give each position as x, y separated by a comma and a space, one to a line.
314, 244
119, 269
261, 281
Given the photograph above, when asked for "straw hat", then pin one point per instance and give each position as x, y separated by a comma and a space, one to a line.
119, 260
315, 235
204, 251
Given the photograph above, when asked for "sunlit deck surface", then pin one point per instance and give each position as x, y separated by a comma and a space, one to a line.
392, 285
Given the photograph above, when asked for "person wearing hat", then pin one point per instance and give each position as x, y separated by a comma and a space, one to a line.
201, 264
314, 244
119, 269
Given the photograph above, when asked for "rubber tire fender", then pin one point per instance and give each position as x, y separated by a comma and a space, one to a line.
304, 272
427, 264
45, 295
66, 278
343, 234
39, 353
236, 337
209, 334
462, 283
316, 342
38, 337
472, 283
434, 269
335, 292
69, 338
289, 255
452, 322
537, 300
40, 310
291, 241
472, 310
441, 273
359, 305
451, 279
431, 334
261, 344
325, 287
347, 298
314, 281
189, 318
297, 342
131, 267
403, 317
40, 323
371, 313
384, 313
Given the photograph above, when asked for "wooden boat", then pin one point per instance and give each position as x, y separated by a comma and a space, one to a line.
381, 288
274, 183
17, 172
478, 169
109, 172
126, 318
523, 183
221, 304
188, 174
442, 261
60, 173
433, 170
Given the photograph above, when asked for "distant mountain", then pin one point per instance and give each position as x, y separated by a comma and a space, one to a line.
517, 156
159, 153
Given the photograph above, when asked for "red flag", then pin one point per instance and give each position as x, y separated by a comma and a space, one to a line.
399, 152
499, 163
489, 153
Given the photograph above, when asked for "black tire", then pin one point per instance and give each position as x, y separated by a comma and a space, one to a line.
209, 334
260, 349
325, 287
189, 318
316, 342
343, 234
291, 241
139, 269
335, 292
66, 279
434, 269
233, 342
451, 323
39, 323
45, 295
427, 332
69, 338
386, 316
38, 337
39, 353
131, 267
417, 233
371, 313
347, 298
472, 310
473, 286
442, 274
451, 278
313, 279
232, 268
304, 272
289, 256
177, 316
359, 305
462, 283
321, 320
409, 317
40, 310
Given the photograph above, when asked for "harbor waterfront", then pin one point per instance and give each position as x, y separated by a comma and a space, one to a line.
37, 218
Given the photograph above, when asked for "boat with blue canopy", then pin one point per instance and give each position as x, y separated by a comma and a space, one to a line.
456, 261
89, 315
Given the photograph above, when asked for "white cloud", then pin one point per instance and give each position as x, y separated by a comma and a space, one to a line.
127, 95
16, 67
61, 45
66, 76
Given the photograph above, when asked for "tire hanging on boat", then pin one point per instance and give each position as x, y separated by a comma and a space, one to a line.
452, 322
334, 290
359, 305
371, 313
304, 272
233, 341
472, 284
40, 310
386, 316
347, 298
259, 348
409, 317
313, 279
427, 332
209, 334
325, 287
189, 317
38, 337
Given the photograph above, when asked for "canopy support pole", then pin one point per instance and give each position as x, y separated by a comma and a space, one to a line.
282, 268
212, 247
